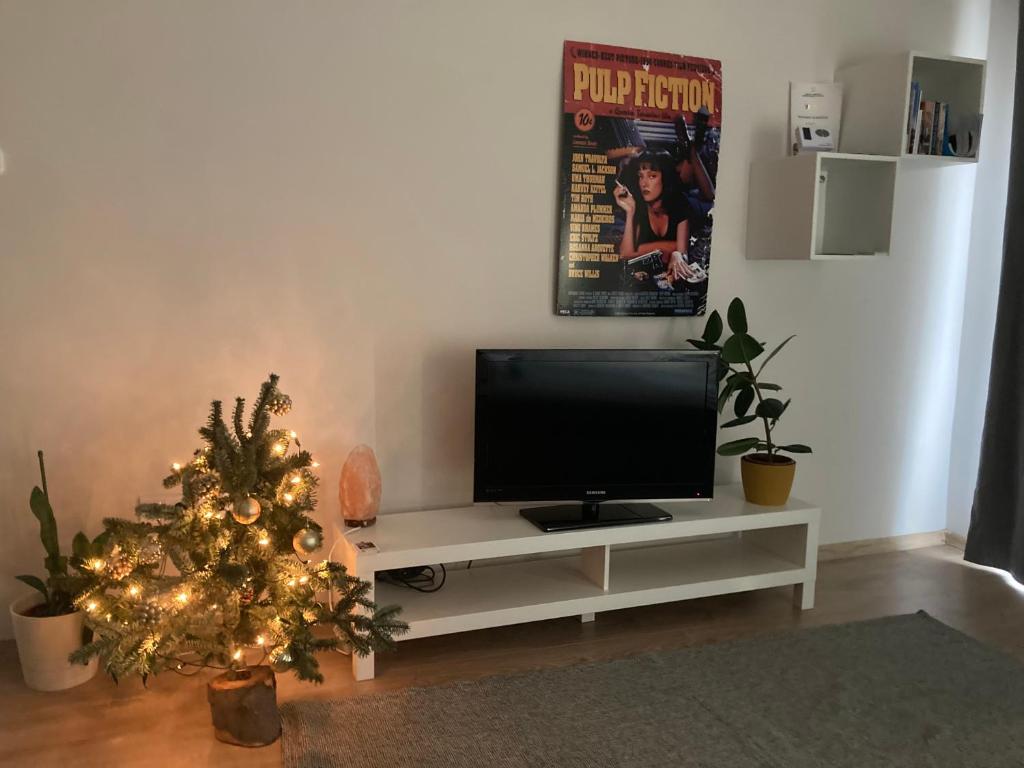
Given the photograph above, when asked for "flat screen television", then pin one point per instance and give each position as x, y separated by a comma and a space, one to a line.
599, 427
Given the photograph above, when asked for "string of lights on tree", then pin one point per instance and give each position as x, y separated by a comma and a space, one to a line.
225, 577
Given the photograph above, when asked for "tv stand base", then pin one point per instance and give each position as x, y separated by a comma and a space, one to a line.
716, 547
577, 517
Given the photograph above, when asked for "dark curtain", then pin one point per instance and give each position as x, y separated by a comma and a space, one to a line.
996, 535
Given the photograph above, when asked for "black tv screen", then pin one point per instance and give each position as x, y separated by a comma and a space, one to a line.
591, 425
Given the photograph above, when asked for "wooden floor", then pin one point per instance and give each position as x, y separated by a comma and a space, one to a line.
100, 724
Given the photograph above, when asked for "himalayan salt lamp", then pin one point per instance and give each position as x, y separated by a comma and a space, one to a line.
359, 488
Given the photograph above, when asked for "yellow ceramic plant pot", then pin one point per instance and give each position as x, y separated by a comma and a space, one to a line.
767, 480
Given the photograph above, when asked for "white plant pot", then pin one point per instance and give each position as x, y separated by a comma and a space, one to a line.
44, 644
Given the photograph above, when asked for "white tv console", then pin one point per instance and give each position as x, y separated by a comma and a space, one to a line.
709, 548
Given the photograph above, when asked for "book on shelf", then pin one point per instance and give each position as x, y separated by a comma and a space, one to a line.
916, 137
934, 128
934, 145
913, 115
924, 139
944, 147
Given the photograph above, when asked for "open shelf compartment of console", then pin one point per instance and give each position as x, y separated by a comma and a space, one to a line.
552, 587
686, 569
494, 595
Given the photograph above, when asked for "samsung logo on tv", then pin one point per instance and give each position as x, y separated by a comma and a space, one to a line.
597, 493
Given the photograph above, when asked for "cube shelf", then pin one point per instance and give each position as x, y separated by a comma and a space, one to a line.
876, 98
821, 206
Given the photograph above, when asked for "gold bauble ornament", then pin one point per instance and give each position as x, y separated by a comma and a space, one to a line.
307, 541
279, 404
282, 662
246, 511
119, 564
148, 612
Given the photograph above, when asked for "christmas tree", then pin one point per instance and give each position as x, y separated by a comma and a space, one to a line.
223, 578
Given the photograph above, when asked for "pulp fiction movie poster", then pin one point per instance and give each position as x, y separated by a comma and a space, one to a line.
640, 139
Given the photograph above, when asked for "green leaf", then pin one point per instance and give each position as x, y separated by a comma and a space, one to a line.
770, 408
741, 348
737, 316
80, 546
742, 377
794, 448
713, 328
744, 400
725, 394
737, 447
41, 508
47, 524
739, 422
37, 584
774, 353
704, 345
771, 387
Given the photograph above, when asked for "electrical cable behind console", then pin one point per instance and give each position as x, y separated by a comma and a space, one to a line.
422, 578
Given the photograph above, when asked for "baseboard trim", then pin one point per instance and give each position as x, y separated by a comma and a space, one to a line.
844, 549
956, 540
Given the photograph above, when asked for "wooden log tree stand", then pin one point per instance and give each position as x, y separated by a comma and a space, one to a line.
244, 706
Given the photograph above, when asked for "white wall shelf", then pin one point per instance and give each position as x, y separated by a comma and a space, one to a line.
838, 206
602, 569
876, 98
824, 206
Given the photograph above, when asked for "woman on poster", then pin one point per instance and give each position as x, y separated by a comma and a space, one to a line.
657, 216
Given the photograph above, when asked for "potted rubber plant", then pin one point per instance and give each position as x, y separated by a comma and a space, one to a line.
48, 627
766, 470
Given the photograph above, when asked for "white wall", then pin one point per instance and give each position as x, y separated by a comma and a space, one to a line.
358, 195
985, 257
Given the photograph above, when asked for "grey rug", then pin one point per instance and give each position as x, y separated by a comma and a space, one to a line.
901, 691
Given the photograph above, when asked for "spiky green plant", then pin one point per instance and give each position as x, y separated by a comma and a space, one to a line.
60, 586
